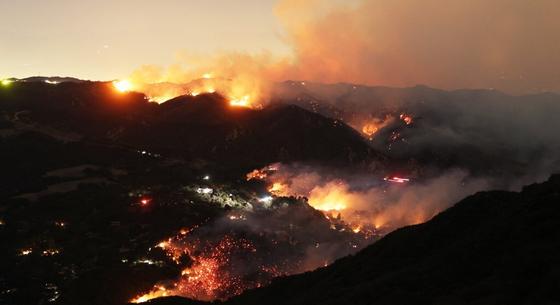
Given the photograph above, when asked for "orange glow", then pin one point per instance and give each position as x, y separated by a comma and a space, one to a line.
242, 102
257, 174
207, 278
240, 91
372, 126
157, 292
369, 129
407, 119
278, 189
123, 85
331, 197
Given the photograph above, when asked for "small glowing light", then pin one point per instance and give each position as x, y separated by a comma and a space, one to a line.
50, 252
206, 178
205, 190
6, 82
145, 201
195, 93
207, 75
396, 179
25, 252
52, 82
122, 85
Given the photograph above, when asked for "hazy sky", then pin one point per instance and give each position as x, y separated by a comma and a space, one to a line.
106, 39
509, 45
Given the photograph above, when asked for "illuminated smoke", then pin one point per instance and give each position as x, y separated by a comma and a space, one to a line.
511, 45
383, 202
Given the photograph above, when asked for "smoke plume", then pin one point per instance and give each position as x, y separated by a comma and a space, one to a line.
510, 45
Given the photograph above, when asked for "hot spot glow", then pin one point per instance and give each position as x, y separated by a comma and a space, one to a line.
242, 102
122, 85
157, 292
278, 189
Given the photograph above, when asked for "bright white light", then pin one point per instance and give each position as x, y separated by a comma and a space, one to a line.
123, 85
266, 199
204, 190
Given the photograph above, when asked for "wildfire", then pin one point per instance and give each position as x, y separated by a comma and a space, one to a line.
239, 92
122, 85
372, 126
262, 174
209, 276
369, 129
407, 119
332, 197
157, 292
257, 174
278, 189
241, 102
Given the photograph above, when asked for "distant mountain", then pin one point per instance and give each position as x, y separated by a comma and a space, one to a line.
52, 79
491, 248
484, 131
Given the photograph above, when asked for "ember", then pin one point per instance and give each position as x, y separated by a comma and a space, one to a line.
212, 274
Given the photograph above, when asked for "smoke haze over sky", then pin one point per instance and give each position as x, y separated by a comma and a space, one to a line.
510, 45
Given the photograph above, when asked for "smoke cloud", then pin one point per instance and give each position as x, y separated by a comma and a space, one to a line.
504, 44
510, 45
364, 199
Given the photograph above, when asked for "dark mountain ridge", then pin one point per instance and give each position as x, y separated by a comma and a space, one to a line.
202, 127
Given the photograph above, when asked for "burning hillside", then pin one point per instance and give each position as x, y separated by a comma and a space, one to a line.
261, 238
369, 201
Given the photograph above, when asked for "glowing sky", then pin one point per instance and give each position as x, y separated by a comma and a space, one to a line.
509, 45
106, 39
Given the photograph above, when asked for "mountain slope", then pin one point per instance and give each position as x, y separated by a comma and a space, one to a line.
491, 248
485, 131
203, 127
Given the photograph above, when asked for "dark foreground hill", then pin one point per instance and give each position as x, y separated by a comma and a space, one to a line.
491, 248
203, 127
